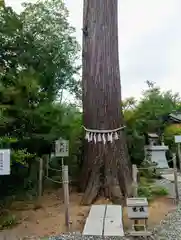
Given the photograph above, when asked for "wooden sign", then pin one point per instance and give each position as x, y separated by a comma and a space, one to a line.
137, 208
62, 148
178, 139
4, 162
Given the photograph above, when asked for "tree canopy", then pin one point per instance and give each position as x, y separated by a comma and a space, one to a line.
147, 115
38, 56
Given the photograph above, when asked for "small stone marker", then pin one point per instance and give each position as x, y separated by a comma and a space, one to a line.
137, 209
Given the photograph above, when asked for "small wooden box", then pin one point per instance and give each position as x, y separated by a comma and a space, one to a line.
137, 208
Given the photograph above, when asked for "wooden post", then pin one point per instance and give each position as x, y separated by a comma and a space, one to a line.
47, 165
40, 178
135, 184
135, 180
179, 155
175, 179
62, 162
66, 194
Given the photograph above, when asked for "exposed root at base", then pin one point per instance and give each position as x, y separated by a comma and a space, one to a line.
110, 189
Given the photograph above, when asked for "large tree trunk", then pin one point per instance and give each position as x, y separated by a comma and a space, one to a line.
106, 167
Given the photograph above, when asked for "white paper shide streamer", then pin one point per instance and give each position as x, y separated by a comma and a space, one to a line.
97, 136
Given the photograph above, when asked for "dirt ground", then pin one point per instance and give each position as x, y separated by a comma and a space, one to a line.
47, 217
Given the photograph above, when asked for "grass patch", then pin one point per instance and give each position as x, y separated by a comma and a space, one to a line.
147, 189
8, 221
159, 191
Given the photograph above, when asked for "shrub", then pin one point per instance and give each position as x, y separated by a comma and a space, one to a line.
149, 190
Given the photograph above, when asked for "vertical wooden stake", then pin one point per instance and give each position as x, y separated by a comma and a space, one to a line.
179, 155
135, 181
40, 178
66, 195
135, 186
175, 179
62, 162
47, 165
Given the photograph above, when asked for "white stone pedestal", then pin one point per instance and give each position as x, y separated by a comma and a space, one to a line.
157, 155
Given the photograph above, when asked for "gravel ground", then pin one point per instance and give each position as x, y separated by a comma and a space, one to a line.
80, 237
170, 228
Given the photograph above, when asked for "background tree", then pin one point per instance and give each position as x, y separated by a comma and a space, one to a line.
1, 3
46, 24
147, 115
106, 168
37, 62
154, 105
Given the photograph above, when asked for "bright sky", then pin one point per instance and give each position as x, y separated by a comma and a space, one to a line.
149, 41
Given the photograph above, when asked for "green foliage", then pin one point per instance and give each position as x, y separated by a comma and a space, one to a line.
38, 56
169, 133
147, 116
8, 221
145, 191
37, 62
21, 156
159, 191
39, 40
154, 105
148, 170
47, 22
149, 190
1, 3
5, 142
17, 156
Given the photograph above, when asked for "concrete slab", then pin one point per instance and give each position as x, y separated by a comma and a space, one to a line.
97, 211
113, 227
95, 221
170, 177
93, 227
114, 211
104, 220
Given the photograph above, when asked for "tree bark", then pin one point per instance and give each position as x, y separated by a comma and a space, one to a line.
106, 167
